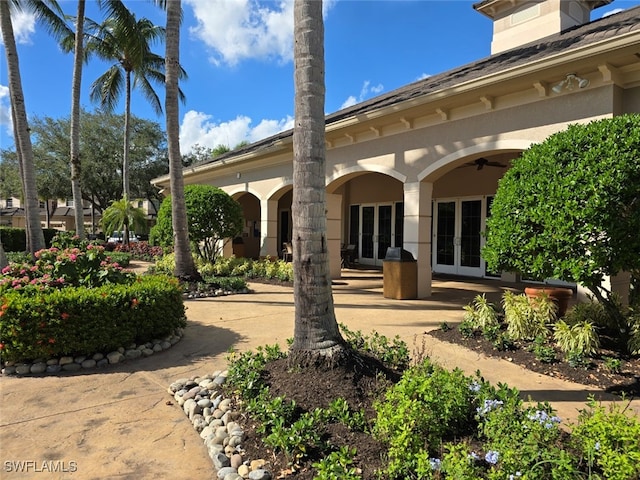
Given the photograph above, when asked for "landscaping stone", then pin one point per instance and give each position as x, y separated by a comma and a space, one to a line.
72, 364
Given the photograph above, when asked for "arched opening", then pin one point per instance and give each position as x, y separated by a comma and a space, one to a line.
247, 244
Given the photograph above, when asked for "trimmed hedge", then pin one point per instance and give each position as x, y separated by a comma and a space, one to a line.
15, 239
82, 321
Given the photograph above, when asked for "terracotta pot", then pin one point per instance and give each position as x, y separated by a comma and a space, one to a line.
559, 295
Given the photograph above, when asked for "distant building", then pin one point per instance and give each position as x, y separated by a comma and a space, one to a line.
60, 214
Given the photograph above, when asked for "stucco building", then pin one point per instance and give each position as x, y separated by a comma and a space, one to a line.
418, 167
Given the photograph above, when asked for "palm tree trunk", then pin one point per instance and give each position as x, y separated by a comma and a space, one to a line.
185, 267
35, 237
75, 122
317, 339
127, 137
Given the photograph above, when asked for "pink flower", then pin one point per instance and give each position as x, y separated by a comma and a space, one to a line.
73, 257
6, 269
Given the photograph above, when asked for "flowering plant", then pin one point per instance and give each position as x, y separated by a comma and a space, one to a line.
57, 268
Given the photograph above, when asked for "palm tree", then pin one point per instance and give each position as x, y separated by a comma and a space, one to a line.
126, 42
317, 339
121, 216
51, 16
185, 266
75, 164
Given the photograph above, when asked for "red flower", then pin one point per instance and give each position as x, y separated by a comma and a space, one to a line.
64, 315
1, 346
134, 303
51, 340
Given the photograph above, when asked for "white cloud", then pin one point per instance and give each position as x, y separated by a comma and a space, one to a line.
198, 128
366, 91
5, 110
237, 30
611, 12
241, 29
422, 76
24, 26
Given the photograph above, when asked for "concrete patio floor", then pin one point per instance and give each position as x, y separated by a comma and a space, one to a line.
115, 422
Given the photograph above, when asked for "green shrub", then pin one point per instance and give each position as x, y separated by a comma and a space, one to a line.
86, 320
481, 314
593, 312
233, 267
15, 240
542, 350
580, 338
213, 217
393, 353
428, 404
337, 465
527, 318
613, 365
608, 440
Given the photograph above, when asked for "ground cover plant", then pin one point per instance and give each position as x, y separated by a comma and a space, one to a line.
377, 420
74, 300
231, 272
584, 346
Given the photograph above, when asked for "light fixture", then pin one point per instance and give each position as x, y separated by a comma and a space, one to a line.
571, 82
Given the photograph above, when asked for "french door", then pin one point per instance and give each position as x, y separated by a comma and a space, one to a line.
457, 240
377, 232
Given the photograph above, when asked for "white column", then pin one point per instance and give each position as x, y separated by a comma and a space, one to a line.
269, 228
334, 236
417, 230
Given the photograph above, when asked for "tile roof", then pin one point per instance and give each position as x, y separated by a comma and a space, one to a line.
573, 38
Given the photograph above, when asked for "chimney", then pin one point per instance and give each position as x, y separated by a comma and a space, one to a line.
518, 22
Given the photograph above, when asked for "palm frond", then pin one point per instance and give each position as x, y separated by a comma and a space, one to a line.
107, 88
148, 92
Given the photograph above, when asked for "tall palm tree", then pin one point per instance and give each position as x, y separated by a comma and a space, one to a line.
185, 266
50, 15
75, 164
126, 41
316, 339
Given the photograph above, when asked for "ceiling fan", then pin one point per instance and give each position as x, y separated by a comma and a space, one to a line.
481, 162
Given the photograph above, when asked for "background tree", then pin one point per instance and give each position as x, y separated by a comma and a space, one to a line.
127, 43
569, 208
213, 217
121, 216
100, 149
316, 335
9, 174
185, 266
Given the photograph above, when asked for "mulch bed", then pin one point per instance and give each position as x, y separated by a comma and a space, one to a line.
357, 383
627, 381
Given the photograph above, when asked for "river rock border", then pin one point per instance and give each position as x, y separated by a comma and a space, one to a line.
98, 360
212, 417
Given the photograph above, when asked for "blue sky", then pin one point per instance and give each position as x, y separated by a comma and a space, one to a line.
238, 55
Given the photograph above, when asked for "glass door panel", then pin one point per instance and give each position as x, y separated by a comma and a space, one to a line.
445, 237
368, 229
384, 230
471, 219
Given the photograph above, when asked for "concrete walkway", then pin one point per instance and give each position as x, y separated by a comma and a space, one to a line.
115, 423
